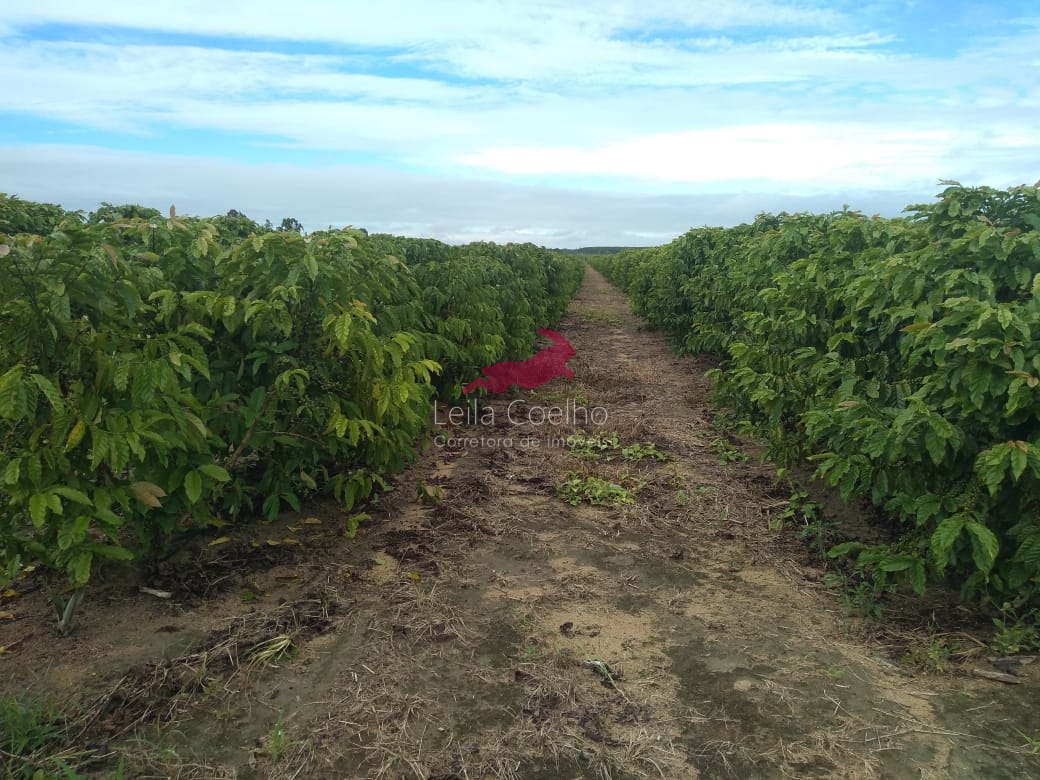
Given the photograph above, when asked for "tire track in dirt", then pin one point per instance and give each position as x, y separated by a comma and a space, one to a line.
479, 626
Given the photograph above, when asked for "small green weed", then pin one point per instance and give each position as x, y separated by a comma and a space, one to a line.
596, 491
1032, 744
531, 651
595, 445
608, 446
277, 742
428, 495
1015, 633
636, 452
353, 520
932, 655
155, 741
578, 399
727, 452
815, 529
594, 315
861, 596
32, 738
685, 495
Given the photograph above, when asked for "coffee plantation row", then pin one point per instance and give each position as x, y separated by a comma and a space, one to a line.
901, 356
159, 374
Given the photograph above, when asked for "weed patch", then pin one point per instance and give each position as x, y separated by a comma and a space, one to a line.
596, 491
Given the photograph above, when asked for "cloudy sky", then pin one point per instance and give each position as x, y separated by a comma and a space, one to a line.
584, 122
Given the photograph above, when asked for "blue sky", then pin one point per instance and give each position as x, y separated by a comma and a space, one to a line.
563, 123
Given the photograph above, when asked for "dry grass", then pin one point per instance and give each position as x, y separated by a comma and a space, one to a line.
422, 614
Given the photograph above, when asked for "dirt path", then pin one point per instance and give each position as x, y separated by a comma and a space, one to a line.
480, 626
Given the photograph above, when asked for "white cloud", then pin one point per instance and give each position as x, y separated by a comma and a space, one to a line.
452, 209
317, 102
805, 158
410, 23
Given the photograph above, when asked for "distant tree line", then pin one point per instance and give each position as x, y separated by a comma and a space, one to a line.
22, 216
598, 250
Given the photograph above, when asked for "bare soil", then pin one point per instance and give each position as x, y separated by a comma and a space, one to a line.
479, 626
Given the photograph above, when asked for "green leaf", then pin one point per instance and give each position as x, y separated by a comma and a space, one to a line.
898, 563
99, 446
73, 531
12, 471
76, 435
34, 469
78, 567
927, 506
935, 445
990, 465
1029, 550
38, 509
119, 453
349, 495
50, 392
196, 422
846, 548
1019, 458
193, 486
984, 545
271, 506
147, 379
916, 575
78, 496
352, 523
943, 538
110, 551
1005, 316
108, 517
213, 471
341, 329
311, 265
61, 309
957, 343
10, 392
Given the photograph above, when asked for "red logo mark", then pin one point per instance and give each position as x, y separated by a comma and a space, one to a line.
538, 369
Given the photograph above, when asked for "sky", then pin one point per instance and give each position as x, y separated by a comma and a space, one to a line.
567, 124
